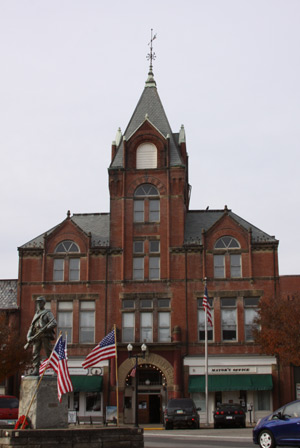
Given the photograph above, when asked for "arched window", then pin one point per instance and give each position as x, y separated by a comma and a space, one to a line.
227, 242
146, 156
66, 262
146, 204
66, 246
226, 258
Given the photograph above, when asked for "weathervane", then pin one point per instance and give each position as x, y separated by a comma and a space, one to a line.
151, 56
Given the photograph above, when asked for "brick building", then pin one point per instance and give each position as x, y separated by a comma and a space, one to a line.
9, 308
142, 267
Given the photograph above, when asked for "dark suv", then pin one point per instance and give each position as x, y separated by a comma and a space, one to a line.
181, 412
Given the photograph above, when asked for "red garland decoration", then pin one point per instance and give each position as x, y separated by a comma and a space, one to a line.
20, 423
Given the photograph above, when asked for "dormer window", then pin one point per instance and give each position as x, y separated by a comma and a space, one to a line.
66, 262
146, 156
227, 255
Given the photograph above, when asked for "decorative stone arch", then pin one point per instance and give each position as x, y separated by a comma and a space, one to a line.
147, 180
151, 358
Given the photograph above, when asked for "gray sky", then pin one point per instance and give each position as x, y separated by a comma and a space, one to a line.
72, 72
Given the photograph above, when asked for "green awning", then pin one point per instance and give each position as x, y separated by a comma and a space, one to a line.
85, 383
230, 382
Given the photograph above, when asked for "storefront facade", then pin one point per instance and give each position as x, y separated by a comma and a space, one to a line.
87, 396
246, 380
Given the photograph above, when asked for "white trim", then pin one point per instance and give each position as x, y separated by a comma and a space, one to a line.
231, 365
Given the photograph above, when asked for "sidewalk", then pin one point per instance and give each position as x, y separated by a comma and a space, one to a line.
242, 432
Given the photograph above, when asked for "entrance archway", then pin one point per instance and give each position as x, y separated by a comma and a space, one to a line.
155, 376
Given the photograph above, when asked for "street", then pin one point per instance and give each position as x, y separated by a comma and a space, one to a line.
206, 438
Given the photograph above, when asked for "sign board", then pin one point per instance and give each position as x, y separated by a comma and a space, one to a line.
71, 416
232, 370
111, 414
77, 371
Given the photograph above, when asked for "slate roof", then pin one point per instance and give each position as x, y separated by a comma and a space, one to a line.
196, 220
150, 108
96, 223
8, 294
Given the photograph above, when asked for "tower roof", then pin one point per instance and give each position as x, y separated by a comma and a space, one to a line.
149, 107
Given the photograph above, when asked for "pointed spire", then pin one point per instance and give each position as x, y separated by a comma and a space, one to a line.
118, 137
151, 56
182, 135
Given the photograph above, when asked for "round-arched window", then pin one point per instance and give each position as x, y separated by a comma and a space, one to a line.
146, 190
146, 156
146, 204
227, 248
227, 242
66, 246
66, 265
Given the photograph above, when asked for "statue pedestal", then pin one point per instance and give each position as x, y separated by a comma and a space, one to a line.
46, 411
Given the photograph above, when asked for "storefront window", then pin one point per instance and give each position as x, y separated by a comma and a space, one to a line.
93, 402
262, 400
76, 401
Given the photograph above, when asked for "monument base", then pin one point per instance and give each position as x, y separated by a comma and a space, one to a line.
73, 438
46, 412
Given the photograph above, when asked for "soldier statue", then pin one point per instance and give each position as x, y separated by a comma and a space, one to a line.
40, 333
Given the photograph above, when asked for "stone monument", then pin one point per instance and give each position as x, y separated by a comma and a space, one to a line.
38, 394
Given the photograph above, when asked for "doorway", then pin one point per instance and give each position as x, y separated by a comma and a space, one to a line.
154, 408
149, 408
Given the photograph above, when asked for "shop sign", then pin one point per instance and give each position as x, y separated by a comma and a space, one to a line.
231, 370
77, 371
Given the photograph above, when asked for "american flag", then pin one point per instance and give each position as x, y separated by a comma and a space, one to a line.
58, 362
48, 364
104, 350
206, 307
133, 371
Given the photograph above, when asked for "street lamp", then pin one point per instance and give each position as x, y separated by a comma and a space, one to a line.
136, 356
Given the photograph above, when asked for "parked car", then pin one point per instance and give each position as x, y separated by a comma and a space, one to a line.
227, 414
282, 427
9, 407
181, 412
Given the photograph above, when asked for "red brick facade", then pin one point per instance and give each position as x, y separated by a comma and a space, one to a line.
185, 255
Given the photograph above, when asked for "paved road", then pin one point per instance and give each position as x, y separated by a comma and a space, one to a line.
204, 438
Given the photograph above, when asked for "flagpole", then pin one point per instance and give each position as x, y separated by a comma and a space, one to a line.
117, 379
206, 360
38, 385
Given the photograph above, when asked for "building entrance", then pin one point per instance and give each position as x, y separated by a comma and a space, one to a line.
149, 408
151, 395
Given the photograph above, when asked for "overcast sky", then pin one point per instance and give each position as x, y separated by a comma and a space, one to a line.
72, 72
